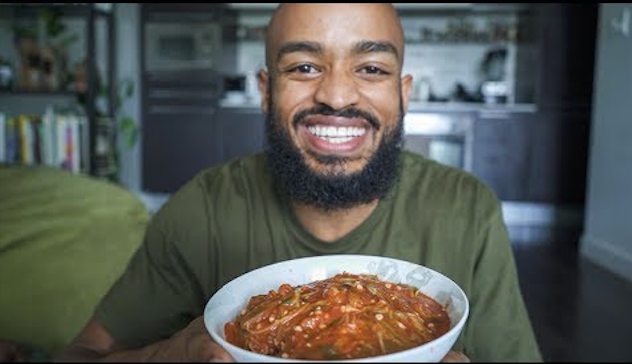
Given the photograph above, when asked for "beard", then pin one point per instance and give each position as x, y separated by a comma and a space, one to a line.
334, 189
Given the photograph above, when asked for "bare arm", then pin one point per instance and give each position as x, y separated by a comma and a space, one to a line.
192, 343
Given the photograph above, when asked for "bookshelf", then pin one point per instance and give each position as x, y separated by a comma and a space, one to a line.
62, 61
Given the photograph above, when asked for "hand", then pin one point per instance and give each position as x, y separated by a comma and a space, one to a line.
193, 343
10, 352
455, 357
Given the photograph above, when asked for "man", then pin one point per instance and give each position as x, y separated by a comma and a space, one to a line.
333, 180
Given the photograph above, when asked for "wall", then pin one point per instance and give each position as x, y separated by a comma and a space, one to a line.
607, 238
128, 67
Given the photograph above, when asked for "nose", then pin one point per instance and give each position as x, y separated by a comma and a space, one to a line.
337, 89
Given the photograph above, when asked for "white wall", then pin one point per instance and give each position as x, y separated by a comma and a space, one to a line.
607, 238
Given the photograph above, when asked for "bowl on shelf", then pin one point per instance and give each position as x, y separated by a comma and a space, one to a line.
228, 301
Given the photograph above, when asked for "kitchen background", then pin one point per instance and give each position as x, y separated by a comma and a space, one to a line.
531, 98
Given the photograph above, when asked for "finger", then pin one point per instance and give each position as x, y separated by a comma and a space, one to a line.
455, 357
221, 355
213, 352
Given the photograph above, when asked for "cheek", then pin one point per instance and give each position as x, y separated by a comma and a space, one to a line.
290, 94
290, 100
385, 103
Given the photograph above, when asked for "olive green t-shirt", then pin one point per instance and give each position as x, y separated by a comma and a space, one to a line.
229, 220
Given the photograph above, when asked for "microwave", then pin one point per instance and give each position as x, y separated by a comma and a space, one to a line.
182, 46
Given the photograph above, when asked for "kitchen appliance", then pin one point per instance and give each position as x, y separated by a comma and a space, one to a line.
240, 90
494, 87
171, 46
7, 75
444, 137
234, 90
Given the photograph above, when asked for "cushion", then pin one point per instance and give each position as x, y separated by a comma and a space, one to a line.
64, 239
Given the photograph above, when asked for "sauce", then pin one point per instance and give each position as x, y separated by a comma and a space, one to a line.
344, 317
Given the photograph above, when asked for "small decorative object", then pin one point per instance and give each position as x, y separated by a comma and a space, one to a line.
79, 80
30, 72
7, 75
49, 78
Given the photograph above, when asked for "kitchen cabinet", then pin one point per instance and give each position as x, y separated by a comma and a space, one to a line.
200, 140
179, 127
534, 157
242, 132
557, 157
500, 153
178, 153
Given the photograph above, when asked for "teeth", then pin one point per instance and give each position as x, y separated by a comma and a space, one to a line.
336, 135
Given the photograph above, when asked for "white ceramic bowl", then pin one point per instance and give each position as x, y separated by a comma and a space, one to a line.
234, 296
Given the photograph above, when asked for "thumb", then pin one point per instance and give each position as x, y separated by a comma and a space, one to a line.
455, 357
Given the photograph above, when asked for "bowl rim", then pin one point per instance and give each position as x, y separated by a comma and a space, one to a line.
385, 357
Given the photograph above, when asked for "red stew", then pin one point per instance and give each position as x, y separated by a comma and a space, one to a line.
344, 317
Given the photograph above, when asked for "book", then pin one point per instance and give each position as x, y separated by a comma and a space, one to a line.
11, 141
58, 140
75, 161
60, 136
24, 137
3, 127
47, 145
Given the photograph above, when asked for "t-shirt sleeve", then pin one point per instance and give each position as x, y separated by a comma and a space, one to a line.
158, 295
498, 327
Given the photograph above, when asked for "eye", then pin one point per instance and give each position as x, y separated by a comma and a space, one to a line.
303, 68
373, 70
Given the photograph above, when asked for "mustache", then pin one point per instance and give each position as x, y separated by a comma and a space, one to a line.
350, 112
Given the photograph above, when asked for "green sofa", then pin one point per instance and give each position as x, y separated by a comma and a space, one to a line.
64, 239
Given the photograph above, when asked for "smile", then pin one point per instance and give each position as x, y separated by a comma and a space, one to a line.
336, 135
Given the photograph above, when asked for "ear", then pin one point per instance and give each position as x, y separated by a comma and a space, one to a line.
262, 82
406, 84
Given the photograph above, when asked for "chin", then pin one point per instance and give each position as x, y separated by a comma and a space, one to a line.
329, 165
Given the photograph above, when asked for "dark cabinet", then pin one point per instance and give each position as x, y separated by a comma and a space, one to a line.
179, 127
184, 142
501, 153
566, 36
181, 145
557, 157
536, 157
242, 132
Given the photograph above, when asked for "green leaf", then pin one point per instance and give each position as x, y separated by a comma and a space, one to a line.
130, 131
129, 90
329, 352
131, 139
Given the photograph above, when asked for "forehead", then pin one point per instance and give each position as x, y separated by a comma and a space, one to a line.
336, 25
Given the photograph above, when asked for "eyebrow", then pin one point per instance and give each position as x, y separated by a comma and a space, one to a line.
291, 47
369, 46
366, 46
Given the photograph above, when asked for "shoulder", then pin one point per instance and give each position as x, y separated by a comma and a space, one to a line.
192, 205
436, 181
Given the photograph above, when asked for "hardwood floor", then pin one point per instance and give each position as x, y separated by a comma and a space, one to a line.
579, 310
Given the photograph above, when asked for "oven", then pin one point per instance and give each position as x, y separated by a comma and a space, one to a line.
176, 46
444, 137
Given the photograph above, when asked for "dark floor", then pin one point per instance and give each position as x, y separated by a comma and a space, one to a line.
579, 311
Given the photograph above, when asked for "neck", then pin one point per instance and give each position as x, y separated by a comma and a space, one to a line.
330, 226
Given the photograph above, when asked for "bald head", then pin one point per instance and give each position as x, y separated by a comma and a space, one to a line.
362, 27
